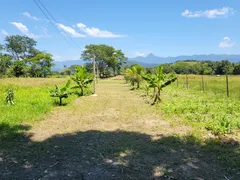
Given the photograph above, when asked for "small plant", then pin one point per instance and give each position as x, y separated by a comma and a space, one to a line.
158, 80
134, 75
10, 97
82, 78
61, 92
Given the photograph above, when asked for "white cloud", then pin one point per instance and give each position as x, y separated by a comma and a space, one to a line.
213, 13
70, 31
24, 30
95, 32
4, 33
141, 53
30, 16
226, 42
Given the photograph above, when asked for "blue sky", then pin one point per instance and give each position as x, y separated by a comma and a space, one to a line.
162, 27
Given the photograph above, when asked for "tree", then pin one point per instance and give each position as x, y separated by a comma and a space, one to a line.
82, 78
107, 58
5, 63
224, 67
236, 69
134, 75
158, 80
61, 92
40, 65
18, 68
20, 47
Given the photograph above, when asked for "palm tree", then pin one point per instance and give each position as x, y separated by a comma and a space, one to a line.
134, 75
158, 80
82, 78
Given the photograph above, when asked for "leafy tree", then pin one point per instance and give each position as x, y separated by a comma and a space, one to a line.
5, 63
40, 65
107, 58
61, 92
82, 78
20, 47
19, 68
134, 75
224, 67
158, 80
236, 69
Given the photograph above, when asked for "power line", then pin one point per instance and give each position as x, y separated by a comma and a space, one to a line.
56, 21
51, 22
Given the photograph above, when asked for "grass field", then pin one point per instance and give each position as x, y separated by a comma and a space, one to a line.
115, 135
32, 100
210, 109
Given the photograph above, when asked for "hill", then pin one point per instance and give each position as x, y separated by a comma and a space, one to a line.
59, 65
151, 59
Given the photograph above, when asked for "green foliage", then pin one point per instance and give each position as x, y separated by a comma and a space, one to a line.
210, 110
40, 65
61, 92
10, 97
158, 80
19, 68
202, 67
23, 59
5, 63
82, 78
107, 59
20, 47
134, 75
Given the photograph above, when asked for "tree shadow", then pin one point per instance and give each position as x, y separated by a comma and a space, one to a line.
117, 155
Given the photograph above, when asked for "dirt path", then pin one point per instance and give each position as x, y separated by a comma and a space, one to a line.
115, 135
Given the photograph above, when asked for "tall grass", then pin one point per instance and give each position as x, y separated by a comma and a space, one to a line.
211, 109
32, 100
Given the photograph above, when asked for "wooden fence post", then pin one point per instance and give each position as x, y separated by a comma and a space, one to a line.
187, 81
227, 85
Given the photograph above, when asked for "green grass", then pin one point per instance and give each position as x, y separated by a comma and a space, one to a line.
210, 109
32, 100
213, 85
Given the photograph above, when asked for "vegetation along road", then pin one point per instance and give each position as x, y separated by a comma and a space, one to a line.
115, 135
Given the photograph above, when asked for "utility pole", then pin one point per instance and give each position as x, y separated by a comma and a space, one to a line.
94, 72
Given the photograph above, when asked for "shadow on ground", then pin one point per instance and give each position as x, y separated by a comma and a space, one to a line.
114, 155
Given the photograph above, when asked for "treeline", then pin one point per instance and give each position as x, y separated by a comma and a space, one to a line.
203, 67
20, 58
109, 61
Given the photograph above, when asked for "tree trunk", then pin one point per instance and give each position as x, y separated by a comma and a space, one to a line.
81, 88
138, 85
60, 100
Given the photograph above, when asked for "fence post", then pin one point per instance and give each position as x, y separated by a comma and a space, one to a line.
227, 85
203, 83
187, 81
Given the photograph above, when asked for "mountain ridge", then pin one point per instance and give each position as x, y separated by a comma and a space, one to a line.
153, 59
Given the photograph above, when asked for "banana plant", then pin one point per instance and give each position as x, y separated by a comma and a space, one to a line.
61, 92
82, 78
134, 75
10, 97
158, 80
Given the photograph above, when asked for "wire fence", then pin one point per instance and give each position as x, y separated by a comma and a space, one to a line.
220, 85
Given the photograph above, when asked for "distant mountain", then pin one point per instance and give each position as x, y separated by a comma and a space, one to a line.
60, 64
151, 59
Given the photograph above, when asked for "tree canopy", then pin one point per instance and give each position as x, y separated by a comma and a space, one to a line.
21, 58
108, 59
